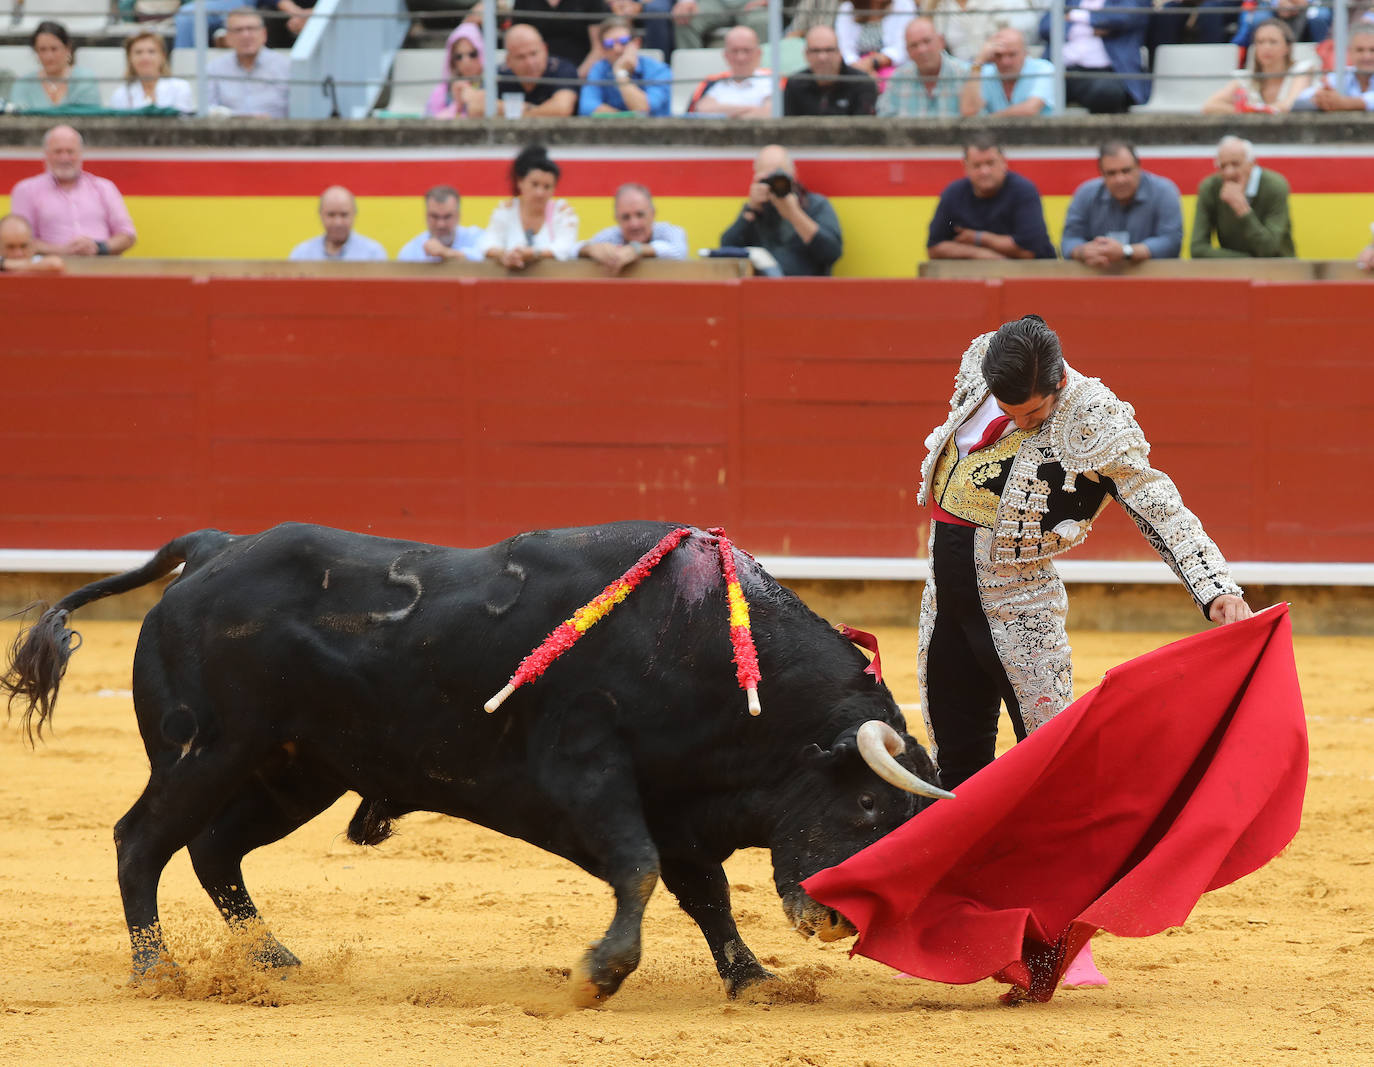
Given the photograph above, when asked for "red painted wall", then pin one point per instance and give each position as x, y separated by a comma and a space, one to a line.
792, 412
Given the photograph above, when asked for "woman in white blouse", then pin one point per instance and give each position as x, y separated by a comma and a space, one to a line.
872, 33
147, 78
533, 224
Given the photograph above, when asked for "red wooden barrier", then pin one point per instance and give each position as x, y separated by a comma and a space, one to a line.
792, 412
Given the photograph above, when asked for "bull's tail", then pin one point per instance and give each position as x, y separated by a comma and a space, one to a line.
38, 657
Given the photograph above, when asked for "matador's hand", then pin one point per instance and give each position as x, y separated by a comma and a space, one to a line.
1228, 608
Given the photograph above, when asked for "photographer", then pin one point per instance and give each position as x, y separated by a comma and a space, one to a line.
798, 227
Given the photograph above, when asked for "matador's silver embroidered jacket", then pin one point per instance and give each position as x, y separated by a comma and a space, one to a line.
1039, 492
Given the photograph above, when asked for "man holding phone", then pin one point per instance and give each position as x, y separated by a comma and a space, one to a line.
797, 226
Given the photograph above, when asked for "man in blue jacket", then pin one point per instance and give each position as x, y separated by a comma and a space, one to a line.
624, 80
1099, 45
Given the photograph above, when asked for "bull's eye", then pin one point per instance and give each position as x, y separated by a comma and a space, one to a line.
867, 801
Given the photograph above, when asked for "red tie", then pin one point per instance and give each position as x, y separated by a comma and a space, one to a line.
992, 433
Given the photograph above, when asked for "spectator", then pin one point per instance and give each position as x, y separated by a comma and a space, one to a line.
828, 85
284, 20
338, 210
566, 36
870, 34
1274, 80
696, 20
1357, 80
533, 224
1103, 38
990, 213
148, 80
799, 228
72, 213
1245, 206
1308, 23
929, 85
17, 251
657, 29
809, 13
1126, 216
58, 82
460, 94
624, 80
745, 91
251, 80
443, 238
635, 234
528, 64
1009, 82
215, 11
966, 25
1365, 260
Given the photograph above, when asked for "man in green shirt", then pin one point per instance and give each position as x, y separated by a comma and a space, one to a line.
1245, 206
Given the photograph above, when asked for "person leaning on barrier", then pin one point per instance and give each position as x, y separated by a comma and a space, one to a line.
929, 85
251, 80
798, 227
460, 95
1126, 216
1245, 206
828, 85
745, 89
533, 224
623, 80
1010, 83
72, 213
636, 233
548, 83
990, 213
18, 255
1102, 39
443, 237
1356, 91
338, 210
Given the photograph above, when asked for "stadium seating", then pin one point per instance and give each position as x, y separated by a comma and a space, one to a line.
414, 73
1185, 75
106, 64
78, 16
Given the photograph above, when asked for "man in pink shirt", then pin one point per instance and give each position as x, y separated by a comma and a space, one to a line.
72, 213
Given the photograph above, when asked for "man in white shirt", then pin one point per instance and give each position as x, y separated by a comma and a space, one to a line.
636, 235
443, 238
745, 91
338, 209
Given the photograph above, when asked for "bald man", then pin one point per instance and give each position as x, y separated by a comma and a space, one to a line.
72, 212
797, 226
17, 251
338, 209
550, 85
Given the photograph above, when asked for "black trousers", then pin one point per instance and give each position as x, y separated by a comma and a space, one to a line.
1101, 96
965, 680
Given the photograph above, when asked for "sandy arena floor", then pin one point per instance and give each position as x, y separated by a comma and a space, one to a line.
451, 945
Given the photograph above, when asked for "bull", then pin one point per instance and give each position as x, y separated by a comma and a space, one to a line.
283, 668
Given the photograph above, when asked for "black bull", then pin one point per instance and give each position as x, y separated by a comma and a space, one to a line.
282, 669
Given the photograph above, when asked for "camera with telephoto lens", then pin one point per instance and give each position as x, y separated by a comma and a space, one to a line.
779, 183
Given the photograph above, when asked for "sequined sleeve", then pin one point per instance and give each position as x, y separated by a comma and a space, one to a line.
1152, 501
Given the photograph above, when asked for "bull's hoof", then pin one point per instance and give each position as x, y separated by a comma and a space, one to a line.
586, 991
271, 954
152, 971
747, 978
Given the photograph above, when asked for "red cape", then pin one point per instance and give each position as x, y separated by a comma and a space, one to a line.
1181, 772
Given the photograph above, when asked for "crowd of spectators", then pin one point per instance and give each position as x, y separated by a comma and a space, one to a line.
862, 57
1125, 216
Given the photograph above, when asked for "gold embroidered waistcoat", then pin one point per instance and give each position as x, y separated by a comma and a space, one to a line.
962, 486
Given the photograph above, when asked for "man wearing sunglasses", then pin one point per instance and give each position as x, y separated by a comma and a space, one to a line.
623, 80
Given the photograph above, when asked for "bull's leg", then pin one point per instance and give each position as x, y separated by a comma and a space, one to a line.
182, 795
583, 767
266, 809
703, 892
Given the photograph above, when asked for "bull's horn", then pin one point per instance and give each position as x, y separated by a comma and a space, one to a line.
878, 743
